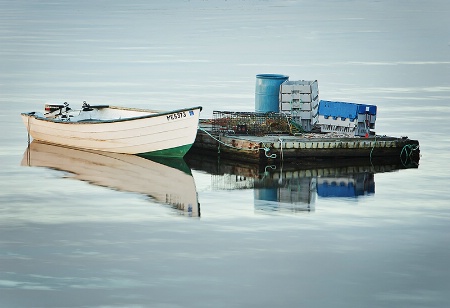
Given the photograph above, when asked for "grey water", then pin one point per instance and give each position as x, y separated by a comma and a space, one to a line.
330, 236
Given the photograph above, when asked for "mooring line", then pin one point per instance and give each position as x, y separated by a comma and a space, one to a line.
371, 151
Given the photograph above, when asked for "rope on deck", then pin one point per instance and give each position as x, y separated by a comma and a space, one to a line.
265, 148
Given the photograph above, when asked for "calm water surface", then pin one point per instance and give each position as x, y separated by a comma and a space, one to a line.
82, 230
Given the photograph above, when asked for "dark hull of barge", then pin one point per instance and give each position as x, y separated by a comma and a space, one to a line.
274, 149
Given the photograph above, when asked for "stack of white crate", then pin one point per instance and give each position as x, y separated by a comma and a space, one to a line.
300, 100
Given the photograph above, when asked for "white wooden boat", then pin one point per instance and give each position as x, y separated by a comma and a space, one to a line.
166, 181
116, 129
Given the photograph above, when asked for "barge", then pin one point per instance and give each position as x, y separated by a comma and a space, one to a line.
270, 149
290, 124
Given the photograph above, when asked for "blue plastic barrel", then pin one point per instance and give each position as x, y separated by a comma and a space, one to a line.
267, 92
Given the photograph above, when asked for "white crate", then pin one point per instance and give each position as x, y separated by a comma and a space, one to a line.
340, 129
286, 106
299, 97
369, 117
296, 105
300, 86
312, 117
306, 124
315, 88
330, 121
307, 114
354, 128
315, 119
315, 103
362, 130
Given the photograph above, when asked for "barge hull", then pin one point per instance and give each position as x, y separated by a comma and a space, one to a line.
275, 149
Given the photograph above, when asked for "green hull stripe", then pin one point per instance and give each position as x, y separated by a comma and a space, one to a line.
173, 152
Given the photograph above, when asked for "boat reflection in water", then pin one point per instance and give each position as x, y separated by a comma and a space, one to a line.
166, 181
294, 188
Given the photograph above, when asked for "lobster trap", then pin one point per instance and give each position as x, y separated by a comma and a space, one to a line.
250, 123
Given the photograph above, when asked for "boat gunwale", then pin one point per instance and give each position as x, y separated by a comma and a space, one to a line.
97, 121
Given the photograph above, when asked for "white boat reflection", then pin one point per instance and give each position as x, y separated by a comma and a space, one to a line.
169, 182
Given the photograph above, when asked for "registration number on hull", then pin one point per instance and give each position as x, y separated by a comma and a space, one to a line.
175, 116
179, 115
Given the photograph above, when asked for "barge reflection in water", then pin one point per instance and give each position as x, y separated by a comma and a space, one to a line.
295, 187
167, 181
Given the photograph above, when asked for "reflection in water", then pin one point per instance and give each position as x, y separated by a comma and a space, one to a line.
285, 191
353, 185
294, 188
167, 181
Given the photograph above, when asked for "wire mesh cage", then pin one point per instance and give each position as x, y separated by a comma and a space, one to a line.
250, 123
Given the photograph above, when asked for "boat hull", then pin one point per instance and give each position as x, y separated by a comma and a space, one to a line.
168, 134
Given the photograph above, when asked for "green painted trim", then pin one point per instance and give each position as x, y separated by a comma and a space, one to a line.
173, 152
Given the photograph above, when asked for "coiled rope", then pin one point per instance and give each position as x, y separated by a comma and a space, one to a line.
408, 147
265, 148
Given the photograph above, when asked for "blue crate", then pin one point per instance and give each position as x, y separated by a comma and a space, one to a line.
345, 110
